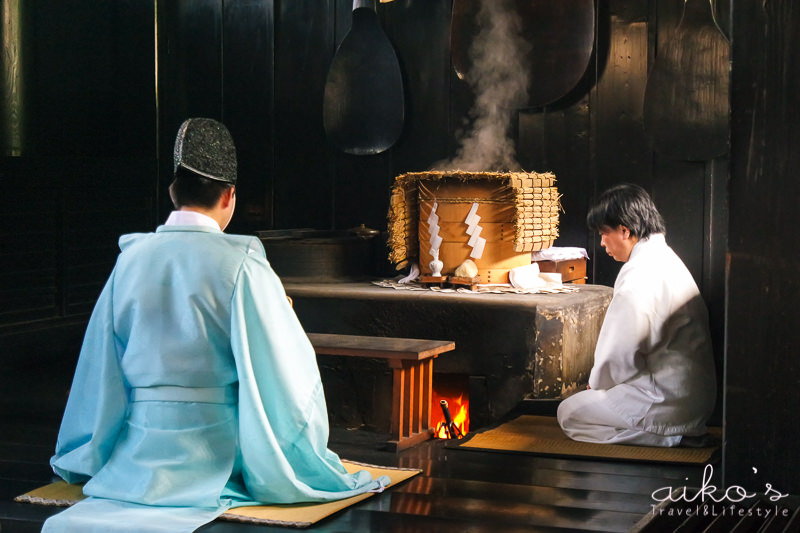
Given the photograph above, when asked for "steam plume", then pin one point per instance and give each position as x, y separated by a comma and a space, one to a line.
498, 77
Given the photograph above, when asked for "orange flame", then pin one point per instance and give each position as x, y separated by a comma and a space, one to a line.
459, 412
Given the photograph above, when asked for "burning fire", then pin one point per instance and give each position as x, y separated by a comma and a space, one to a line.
459, 413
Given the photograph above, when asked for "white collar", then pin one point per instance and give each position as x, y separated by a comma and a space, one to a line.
190, 218
654, 240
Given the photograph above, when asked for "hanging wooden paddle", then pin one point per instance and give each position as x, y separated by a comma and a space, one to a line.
686, 105
561, 35
463, 29
363, 106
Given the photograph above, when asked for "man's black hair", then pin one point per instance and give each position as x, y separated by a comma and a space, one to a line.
628, 205
192, 190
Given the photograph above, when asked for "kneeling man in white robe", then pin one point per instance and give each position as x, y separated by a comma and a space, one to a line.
653, 381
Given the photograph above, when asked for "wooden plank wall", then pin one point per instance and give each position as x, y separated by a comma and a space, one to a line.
83, 172
764, 258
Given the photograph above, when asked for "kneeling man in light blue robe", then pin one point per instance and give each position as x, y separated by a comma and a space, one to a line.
197, 389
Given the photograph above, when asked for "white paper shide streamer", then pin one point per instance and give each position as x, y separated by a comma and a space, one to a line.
476, 242
435, 241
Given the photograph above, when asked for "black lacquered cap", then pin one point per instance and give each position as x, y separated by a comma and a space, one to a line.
205, 147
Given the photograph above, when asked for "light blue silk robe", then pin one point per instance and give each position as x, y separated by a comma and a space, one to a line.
196, 390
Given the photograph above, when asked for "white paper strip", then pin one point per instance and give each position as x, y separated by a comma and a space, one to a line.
433, 216
433, 223
434, 232
474, 231
472, 219
435, 239
475, 236
472, 211
477, 251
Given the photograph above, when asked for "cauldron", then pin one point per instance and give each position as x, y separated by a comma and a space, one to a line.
322, 255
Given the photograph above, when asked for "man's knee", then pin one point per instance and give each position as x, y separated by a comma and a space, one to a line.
565, 410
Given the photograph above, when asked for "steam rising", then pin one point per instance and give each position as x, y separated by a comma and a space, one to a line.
498, 77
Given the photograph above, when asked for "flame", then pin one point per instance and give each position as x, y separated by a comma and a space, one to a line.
459, 412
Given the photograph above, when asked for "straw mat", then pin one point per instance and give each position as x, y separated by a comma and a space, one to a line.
294, 515
541, 435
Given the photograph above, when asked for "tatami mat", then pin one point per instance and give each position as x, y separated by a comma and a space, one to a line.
294, 515
541, 435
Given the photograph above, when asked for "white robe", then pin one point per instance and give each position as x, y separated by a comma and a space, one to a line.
653, 379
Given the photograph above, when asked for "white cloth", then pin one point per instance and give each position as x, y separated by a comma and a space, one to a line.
653, 360
526, 277
412, 274
559, 253
592, 420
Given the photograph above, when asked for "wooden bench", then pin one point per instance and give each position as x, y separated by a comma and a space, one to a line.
412, 363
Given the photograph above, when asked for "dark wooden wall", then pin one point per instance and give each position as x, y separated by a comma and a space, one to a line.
763, 339
103, 95
108, 91
81, 163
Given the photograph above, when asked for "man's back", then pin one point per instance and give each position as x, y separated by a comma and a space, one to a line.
171, 305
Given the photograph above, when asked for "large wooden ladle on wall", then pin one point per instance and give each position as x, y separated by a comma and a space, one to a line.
686, 103
363, 102
561, 34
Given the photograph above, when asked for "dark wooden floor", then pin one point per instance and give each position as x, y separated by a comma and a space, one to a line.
458, 491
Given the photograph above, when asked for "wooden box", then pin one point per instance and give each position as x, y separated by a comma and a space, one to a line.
494, 219
453, 201
571, 270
